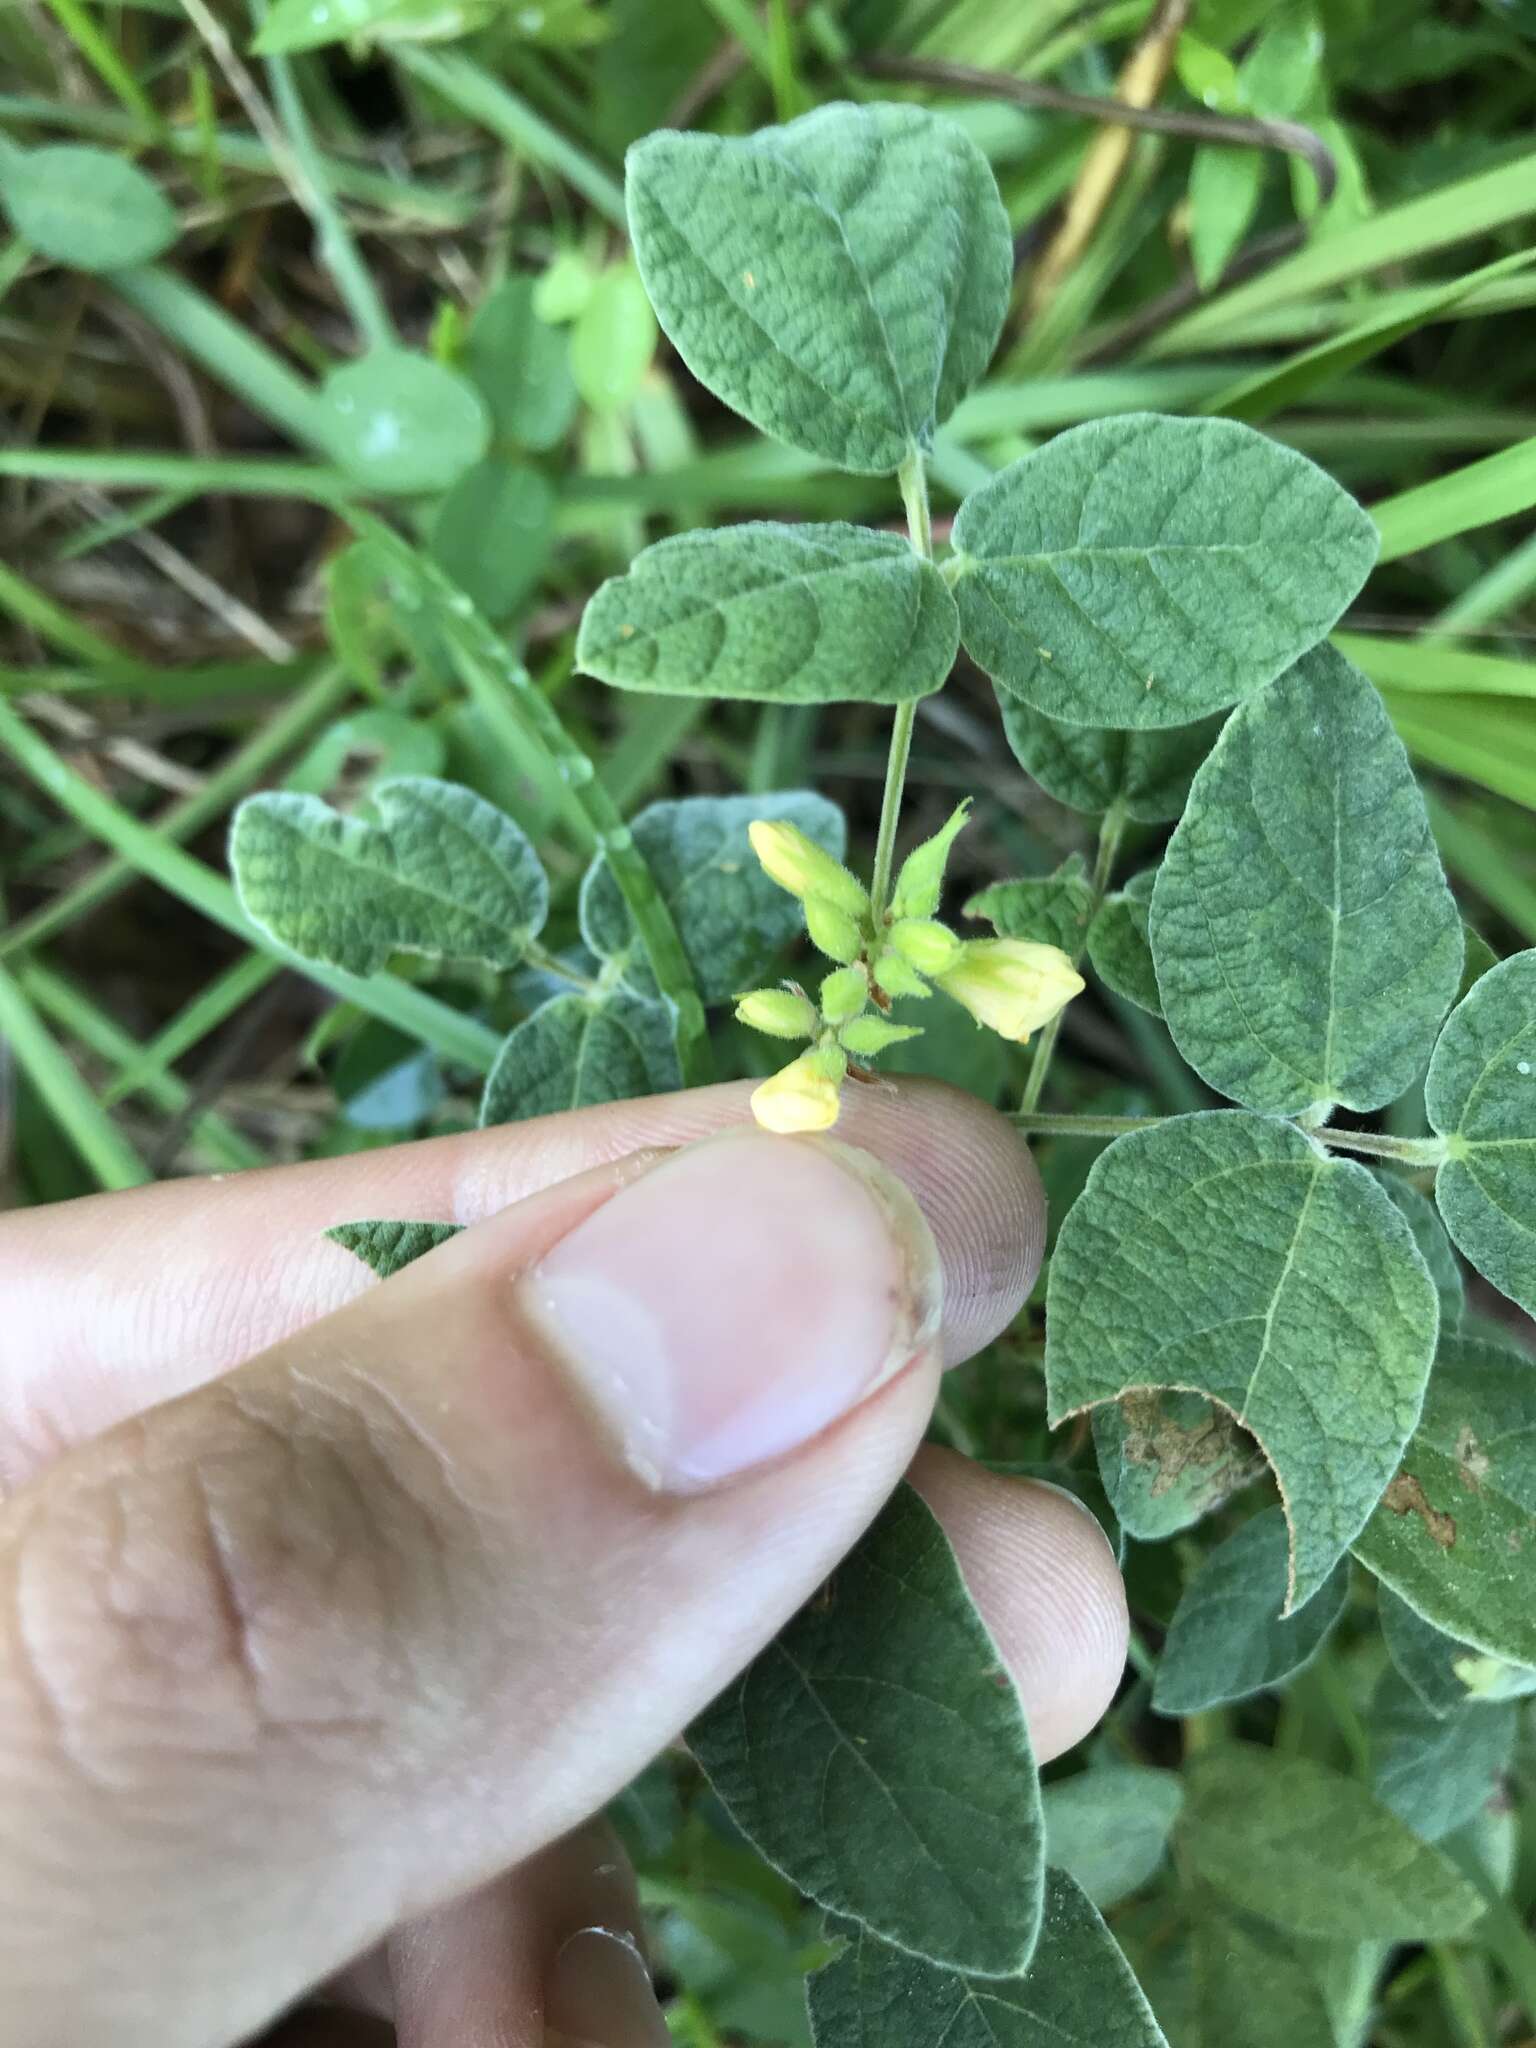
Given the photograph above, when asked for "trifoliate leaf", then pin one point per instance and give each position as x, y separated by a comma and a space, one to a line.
1143, 571
576, 1050
1228, 1638
89, 208
840, 282
443, 873
733, 921
1052, 910
521, 365
1077, 1993
1226, 1254
1253, 1984
1118, 946
1445, 1674
1423, 1219
1090, 768
1307, 946
1480, 1095
1168, 1459
824, 1752
1309, 1850
1108, 1827
783, 614
1455, 1533
1436, 1771
386, 1247
401, 423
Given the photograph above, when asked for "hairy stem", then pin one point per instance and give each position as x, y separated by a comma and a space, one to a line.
1110, 831
1376, 1144
913, 481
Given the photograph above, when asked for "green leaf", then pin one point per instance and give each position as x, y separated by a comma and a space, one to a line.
1225, 184
402, 424
1253, 1985
89, 208
1226, 1254
1455, 1532
1444, 1673
1077, 1993
1423, 1219
1480, 1095
1168, 1459
521, 365
1051, 910
493, 533
1480, 956
1142, 571
576, 1050
1436, 1771
613, 340
1228, 1638
1118, 945
311, 24
1108, 1827
1306, 943
443, 873
386, 1247
825, 1752
783, 614
841, 282
1310, 1851
732, 920
1091, 768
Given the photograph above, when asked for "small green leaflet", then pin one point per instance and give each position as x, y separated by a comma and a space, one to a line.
1307, 946
840, 282
493, 531
402, 424
443, 873
1214, 1253
1108, 1827
89, 208
1252, 1984
386, 1247
1078, 1992
1455, 1533
732, 920
1167, 1459
521, 365
576, 1050
1143, 571
823, 1750
1444, 1673
1228, 1638
1051, 910
613, 339
1310, 1851
1091, 768
1479, 958
1436, 1771
1118, 947
1480, 1095
1423, 1219
782, 614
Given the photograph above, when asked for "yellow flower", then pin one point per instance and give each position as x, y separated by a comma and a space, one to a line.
1012, 985
800, 1097
799, 865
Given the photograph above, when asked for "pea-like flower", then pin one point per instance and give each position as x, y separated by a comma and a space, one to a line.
804, 1096
1012, 985
798, 864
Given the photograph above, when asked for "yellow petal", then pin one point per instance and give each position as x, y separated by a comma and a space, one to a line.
800, 1097
1012, 985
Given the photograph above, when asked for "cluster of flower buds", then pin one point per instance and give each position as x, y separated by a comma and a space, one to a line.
1010, 985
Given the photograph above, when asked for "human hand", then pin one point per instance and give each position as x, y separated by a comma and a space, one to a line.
329, 1609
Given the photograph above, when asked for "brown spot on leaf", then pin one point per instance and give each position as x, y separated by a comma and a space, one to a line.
1405, 1496
1214, 1458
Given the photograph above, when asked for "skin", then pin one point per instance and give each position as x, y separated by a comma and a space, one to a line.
330, 1611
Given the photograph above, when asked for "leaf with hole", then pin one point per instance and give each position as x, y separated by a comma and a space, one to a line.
1306, 943
1093, 768
384, 1247
1168, 1459
1143, 571
576, 1050
442, 873
822, 1752
1118, 947
840, 282
1435, 1771
1225, 1254
1108, 1827
401, 424
782, 614
88, 208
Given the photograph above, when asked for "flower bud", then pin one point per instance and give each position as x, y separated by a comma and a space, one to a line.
800, 1097
926, 944
799, 865
895, 977
779, 1012
832, 930
866, 1036
844, 993
1012, 985
921, 881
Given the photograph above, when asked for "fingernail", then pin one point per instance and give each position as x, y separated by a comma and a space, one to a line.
599, 1995
735, 1300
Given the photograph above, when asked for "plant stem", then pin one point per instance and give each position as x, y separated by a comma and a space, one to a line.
1110, 831
913, 482
1037, 1126
1410, 1151
64, 1094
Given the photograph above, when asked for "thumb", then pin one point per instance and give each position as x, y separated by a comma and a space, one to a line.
403, 1599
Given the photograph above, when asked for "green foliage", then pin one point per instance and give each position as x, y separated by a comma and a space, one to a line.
493, 531
89, 208
1167, 1459
1054, 910
521, 364
1436, 1771
311, 24
386, 1247
1444, 1673
1108, 1827
402, 424
442, 873
1119, 947
1267, 1236
1095, 769
1423, 1219
1307, 946
613, 338
1252, 1984
575, 1050
839, 281
818, 1750
1141, 572
1480, 1095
